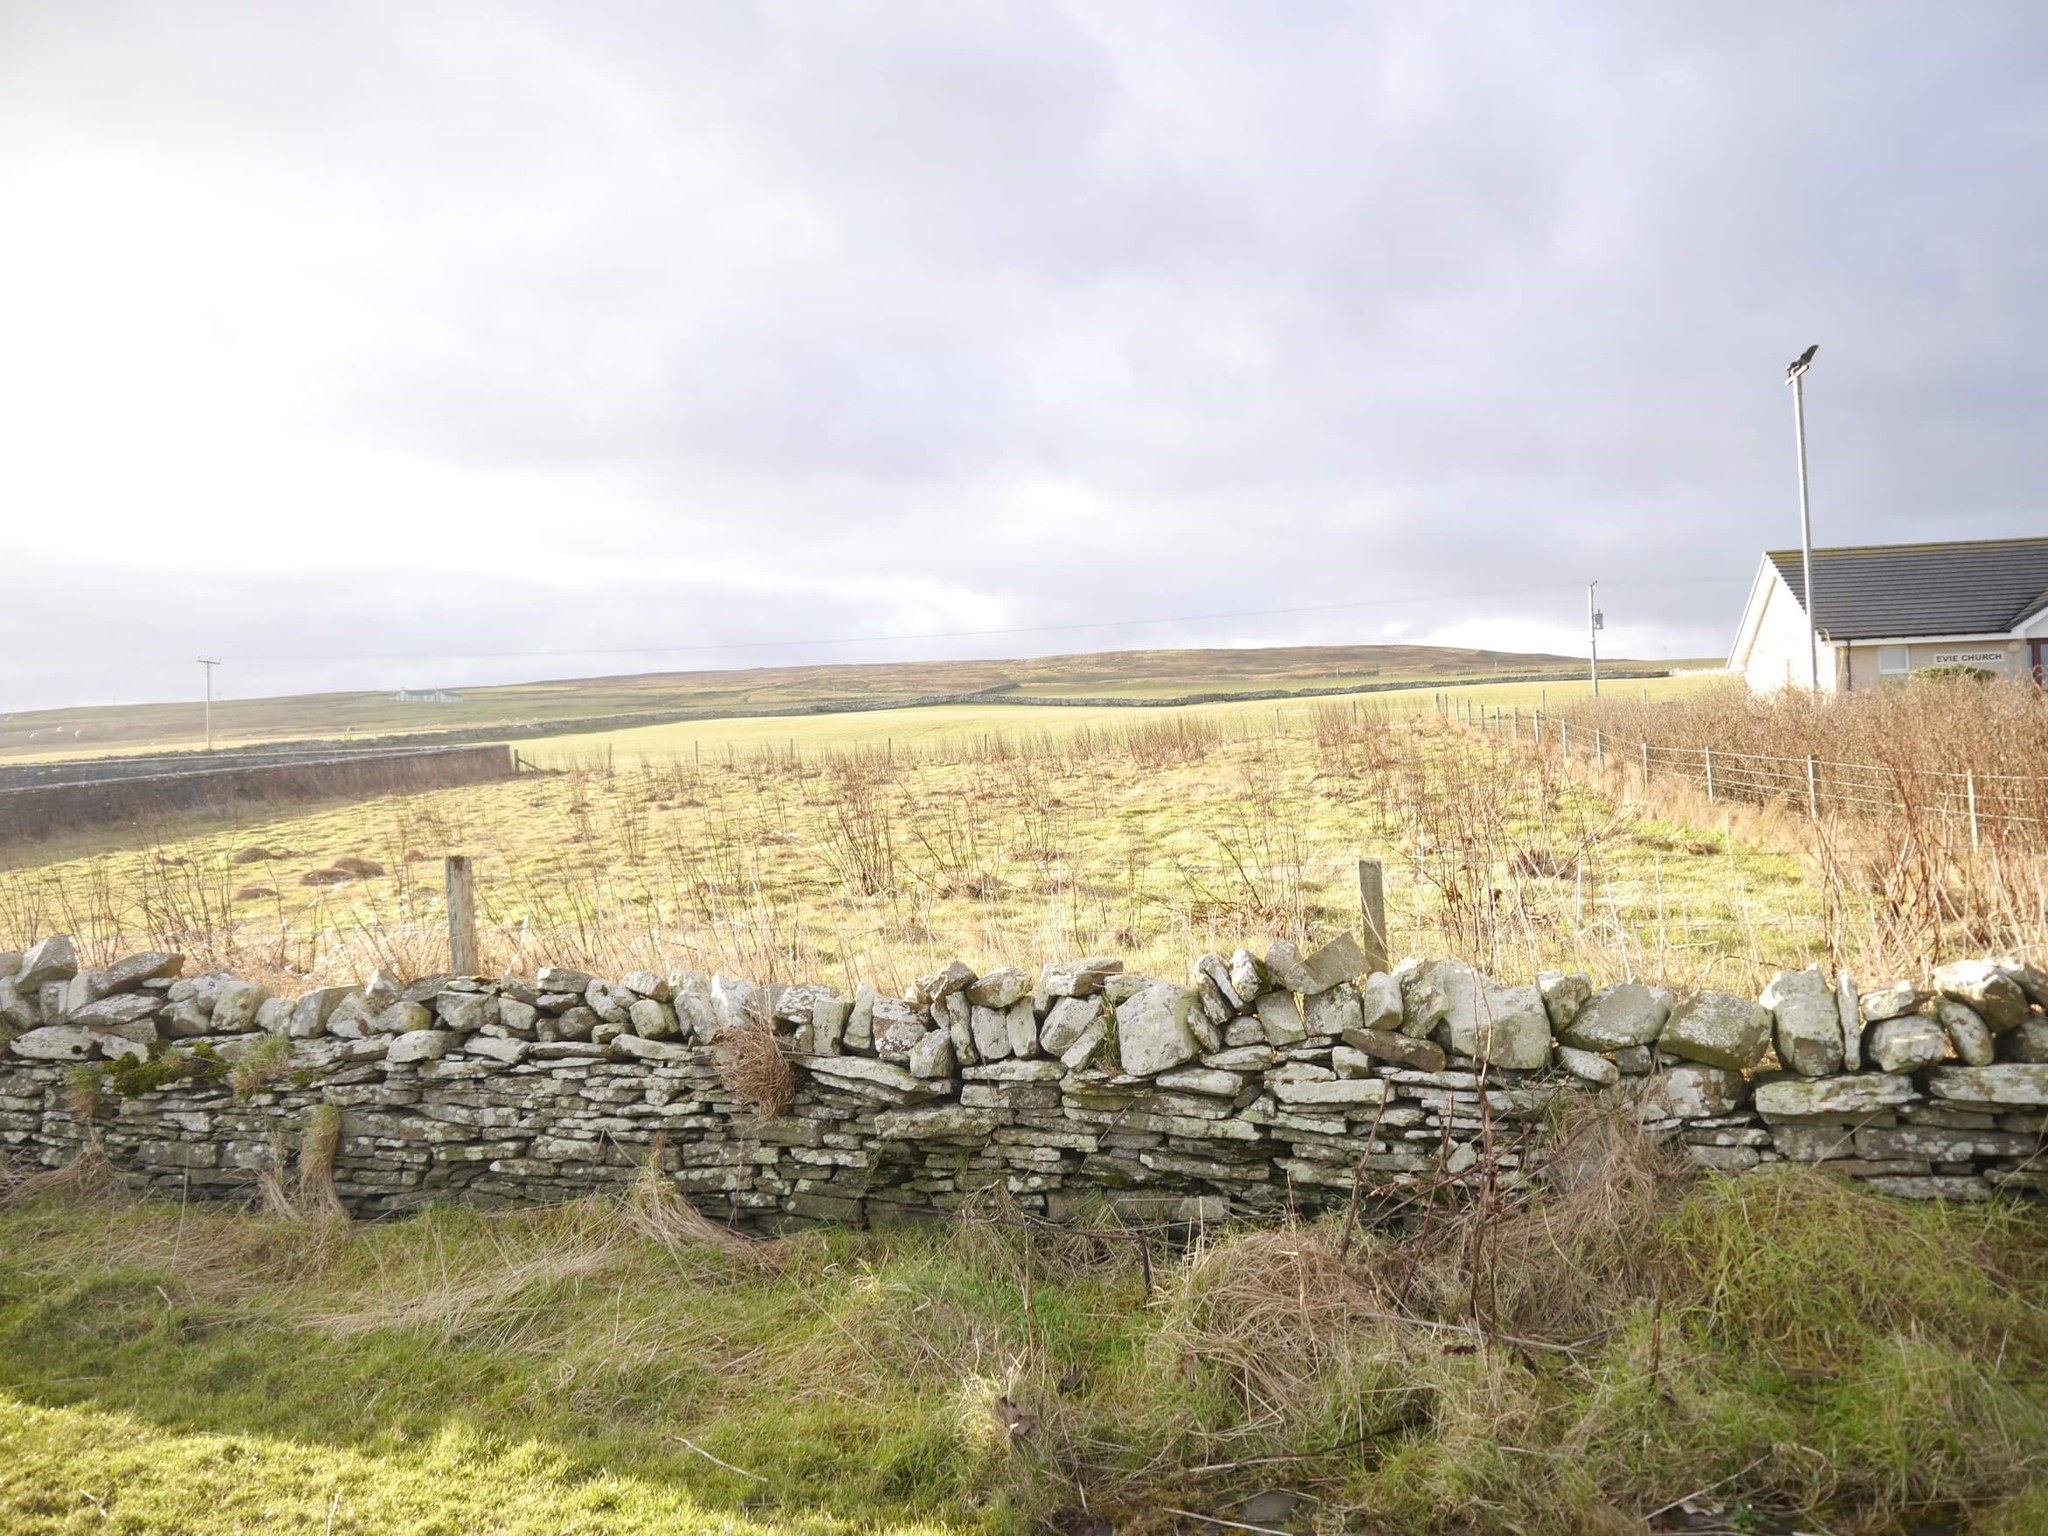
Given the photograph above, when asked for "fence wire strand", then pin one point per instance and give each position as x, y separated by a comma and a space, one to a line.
2007, 806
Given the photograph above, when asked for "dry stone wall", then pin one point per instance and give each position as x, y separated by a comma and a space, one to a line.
36, 803
1265, 1084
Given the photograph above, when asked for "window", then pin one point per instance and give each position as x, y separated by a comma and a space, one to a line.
1893, 661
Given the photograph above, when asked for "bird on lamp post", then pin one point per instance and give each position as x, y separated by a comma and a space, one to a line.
1794, 372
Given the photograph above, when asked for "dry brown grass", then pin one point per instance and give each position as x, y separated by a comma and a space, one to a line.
1278, 1313
753, 1062
90, 1178
503, 1303
655, 1209
312, 1198
316, 1152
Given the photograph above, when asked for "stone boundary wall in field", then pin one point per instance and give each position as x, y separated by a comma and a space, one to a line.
127, 800
1266, 1084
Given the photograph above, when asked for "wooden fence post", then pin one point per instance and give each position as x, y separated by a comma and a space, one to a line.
1970, 787
1709, 751
1646, 765
462, 960
1813, 789
1599, 748
1372, 901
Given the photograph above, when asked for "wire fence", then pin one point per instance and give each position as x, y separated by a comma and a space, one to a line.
2005, 808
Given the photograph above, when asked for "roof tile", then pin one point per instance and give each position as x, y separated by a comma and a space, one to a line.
1883, 590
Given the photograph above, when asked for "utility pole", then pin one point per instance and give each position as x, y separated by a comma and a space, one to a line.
209, 662
1795, 376
1595, 622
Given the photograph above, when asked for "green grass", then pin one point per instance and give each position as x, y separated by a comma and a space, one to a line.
1802, 1347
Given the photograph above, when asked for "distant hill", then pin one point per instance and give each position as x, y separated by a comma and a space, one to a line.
651, 697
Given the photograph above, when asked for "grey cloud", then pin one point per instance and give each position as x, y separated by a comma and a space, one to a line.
1093, 310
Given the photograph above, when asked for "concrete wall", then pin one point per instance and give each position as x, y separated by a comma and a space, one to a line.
44, 809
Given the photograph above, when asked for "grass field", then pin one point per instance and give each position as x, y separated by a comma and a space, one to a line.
962, 726
1789, 1353
865, 855
42, 735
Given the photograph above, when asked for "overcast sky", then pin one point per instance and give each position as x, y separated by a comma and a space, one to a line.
417, 343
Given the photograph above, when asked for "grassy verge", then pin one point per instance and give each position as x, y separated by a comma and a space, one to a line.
1778, 1346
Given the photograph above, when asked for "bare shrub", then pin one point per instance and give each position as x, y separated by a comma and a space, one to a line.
1174, 741
859, 827
1570, 1254
1932, 801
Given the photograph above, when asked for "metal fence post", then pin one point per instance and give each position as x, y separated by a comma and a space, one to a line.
1709, 751
1970, 788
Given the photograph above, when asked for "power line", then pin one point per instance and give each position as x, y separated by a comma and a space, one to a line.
980, 634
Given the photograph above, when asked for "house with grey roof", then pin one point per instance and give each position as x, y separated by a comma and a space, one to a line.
1883, 612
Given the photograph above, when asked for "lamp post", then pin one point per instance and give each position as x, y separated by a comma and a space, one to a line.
1794, 376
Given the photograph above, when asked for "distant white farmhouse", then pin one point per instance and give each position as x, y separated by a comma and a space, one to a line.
426, 696
1886, 611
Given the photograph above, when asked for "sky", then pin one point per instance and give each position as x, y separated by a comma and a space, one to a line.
422, 343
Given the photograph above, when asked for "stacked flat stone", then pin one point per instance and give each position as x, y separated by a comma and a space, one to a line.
1262, 1084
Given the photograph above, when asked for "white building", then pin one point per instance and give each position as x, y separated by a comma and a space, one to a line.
1886, 611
